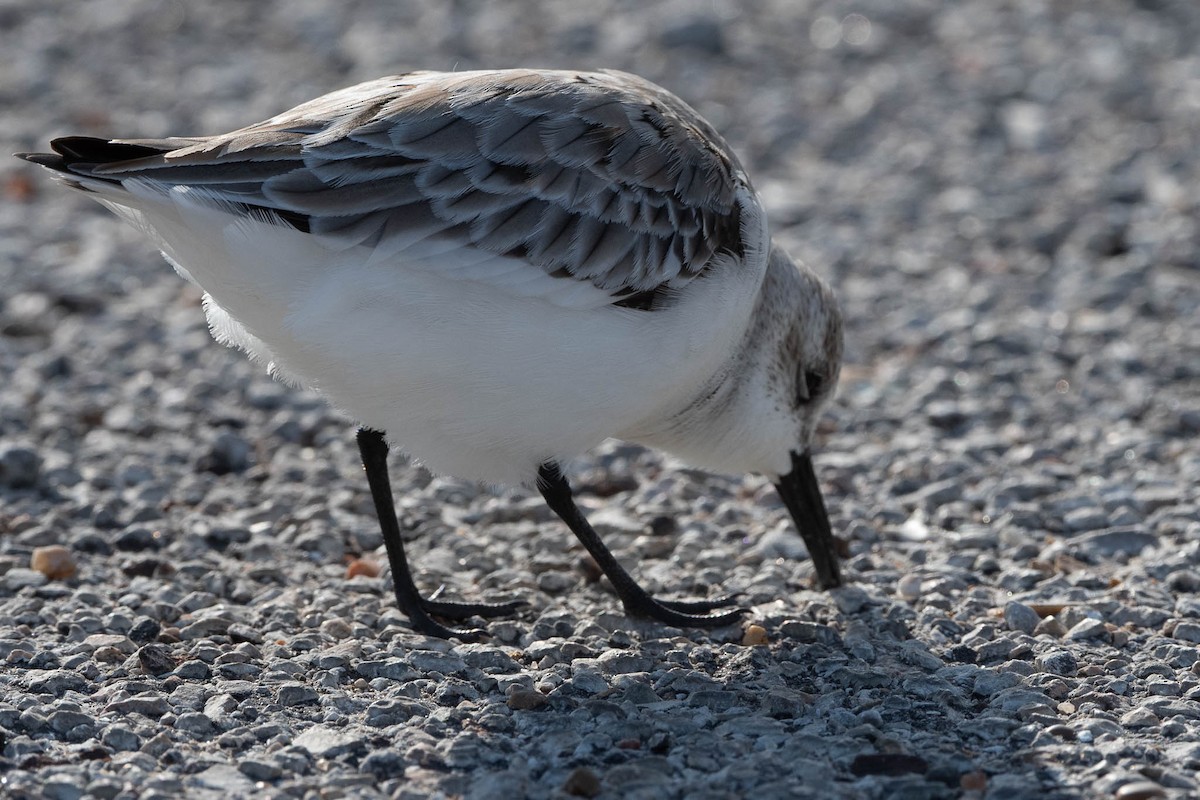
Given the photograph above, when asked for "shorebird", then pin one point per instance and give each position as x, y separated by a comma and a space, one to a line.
496, 271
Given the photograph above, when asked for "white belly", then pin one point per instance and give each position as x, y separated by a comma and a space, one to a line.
469, 378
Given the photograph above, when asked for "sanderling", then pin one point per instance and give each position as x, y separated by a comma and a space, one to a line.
500, 270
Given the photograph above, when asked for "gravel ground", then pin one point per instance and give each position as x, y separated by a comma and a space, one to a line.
1005, 196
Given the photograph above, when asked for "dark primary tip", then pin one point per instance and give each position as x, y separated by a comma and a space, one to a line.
45, 159
802, 495
90, 150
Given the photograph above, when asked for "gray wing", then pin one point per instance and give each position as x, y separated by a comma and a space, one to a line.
597, 177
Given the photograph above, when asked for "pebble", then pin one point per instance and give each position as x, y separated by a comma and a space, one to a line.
324, 742
53, 561
909, 587
1051, 626
1058, 662
1187, 631
20, 466
755, 635
1088, 629
582, 782
295, 694
1140, 790
1020, 617
19, 578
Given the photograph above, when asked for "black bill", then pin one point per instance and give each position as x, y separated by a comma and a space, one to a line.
802, 496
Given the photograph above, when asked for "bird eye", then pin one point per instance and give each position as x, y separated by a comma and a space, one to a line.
809, 386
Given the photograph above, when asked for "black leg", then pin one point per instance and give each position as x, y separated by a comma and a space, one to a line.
374, 456
637, 601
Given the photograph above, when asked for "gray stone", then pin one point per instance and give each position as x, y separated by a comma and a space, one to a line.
1088, 629
19, 578
426, 661
295, 694
1059, 662
1020, 617
195, 723
621, 662
118, 737
20, 466
58, 681
324, 742
259, 770
990, 682
393, 669
63, 721
223, 778
1087, 518
1108, 543
488, 658
388, 712
150, 704
1187, 631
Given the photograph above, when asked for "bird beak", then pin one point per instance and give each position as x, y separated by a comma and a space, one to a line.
802, 496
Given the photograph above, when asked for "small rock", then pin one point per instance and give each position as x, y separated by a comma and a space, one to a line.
387, 712
54, 561
295, 694
1059, 662
19, 578
244, 633
809, 632
890, 764
1088, 629
522, 699
1139, 718
195, 723
432, 661
19, 466
155, 659
1140, 790
258, 770
222, 778
754, 635
1085, 519
490, 659
1187, 631
145, 630
63, 721
202, 628
975, 781
1020, 617
366, 567
555, 582
1050, 626
121, 643
120, 738
150, 704
582, 782
1108, 543
623, 662
909, 587
139, 539
228, 453
939, 493
990, 682
324, 742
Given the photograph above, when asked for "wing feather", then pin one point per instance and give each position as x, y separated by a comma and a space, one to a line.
602, 179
